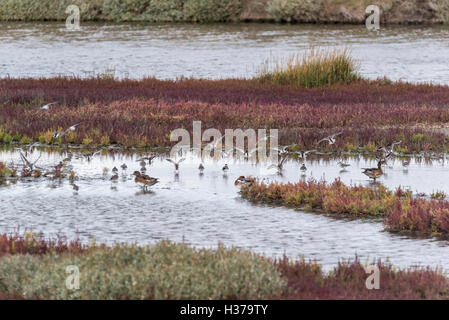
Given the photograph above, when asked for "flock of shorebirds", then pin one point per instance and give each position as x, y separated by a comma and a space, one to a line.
30, 168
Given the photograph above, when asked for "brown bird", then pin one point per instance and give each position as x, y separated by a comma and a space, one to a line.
243, 181
375, 173
145, 180
114, 177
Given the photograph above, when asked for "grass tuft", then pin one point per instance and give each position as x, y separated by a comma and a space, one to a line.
313, 68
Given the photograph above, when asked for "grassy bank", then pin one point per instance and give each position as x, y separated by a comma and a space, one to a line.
402, 211
320, 11
142, 113
34, 268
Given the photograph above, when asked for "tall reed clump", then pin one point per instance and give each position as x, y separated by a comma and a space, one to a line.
313, 68
162, 271
402, 211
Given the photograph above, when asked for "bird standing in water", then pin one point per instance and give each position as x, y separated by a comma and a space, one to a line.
176, 163
63, 133
144, 180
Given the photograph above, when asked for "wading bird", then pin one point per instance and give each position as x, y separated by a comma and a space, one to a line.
243, 181
405, 163
90, 155
28, 163
176, 163
149, 159
280, 165
330, 139
201, 167
303, 154
343, 165
374, 173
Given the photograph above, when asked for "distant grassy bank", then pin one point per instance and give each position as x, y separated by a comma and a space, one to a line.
32, 267
203, 11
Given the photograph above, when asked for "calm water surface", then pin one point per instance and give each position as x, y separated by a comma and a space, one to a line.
417, 54
204, 210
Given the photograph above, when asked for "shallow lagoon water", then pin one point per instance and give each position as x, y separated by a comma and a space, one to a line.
168, 51
203, 210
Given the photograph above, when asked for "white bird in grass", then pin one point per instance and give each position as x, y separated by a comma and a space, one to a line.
176, 163
46, 107
71, 128
331, 138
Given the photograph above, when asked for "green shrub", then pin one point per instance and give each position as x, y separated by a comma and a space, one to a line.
162, 271
7, 138
293, 10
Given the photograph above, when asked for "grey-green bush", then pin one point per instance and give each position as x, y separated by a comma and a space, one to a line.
162, 271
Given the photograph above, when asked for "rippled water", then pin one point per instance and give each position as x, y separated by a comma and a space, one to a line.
412, 53
204, 210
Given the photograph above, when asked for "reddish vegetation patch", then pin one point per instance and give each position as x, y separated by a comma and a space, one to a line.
31, 243
143, 113
422, 216
402, 210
